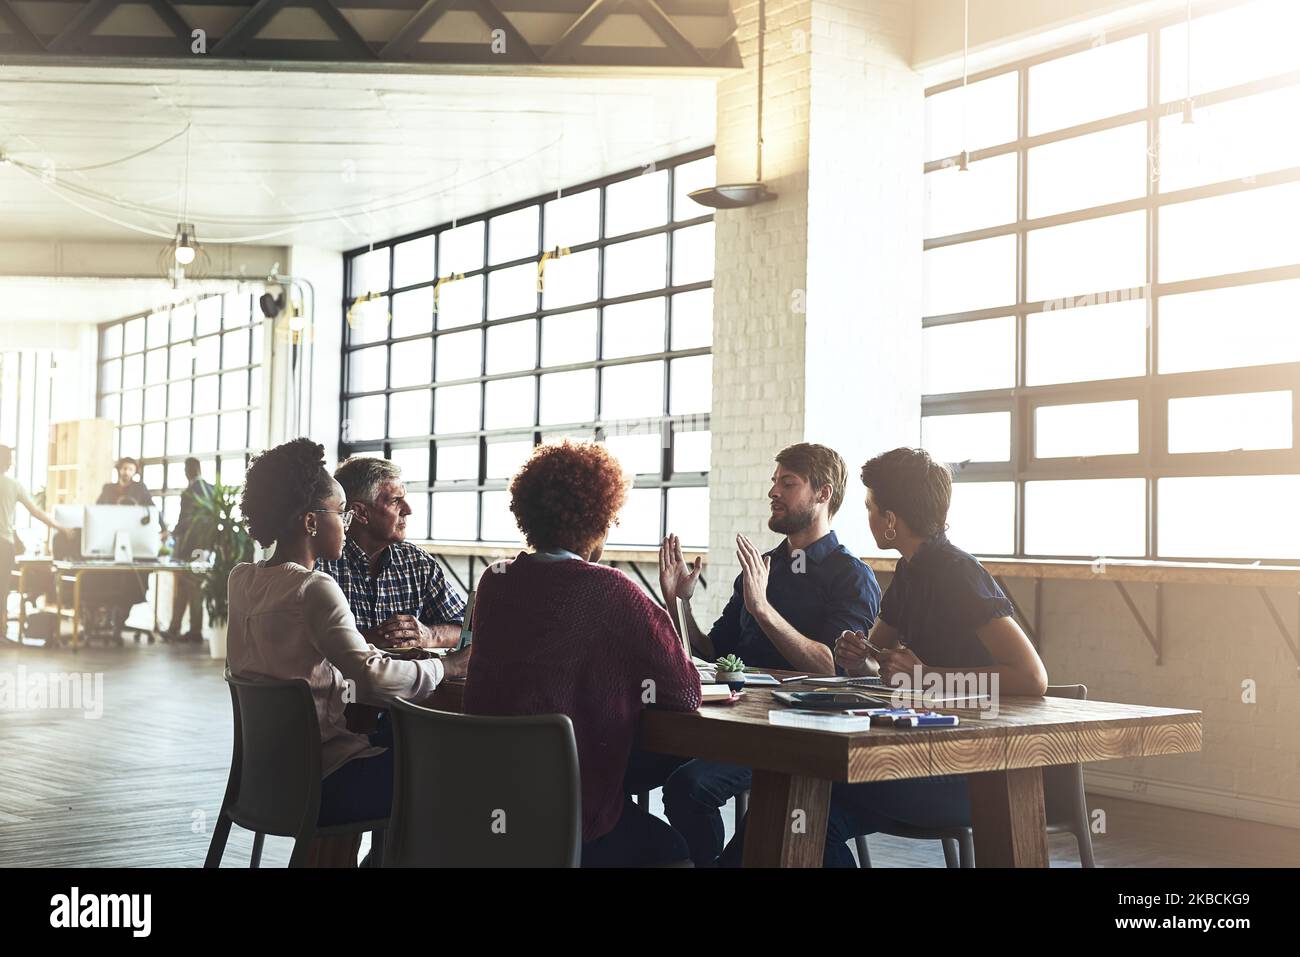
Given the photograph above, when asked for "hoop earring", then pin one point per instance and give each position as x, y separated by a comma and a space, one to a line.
311, 532
890, 534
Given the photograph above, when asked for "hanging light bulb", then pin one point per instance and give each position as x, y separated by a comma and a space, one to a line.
185, 251
184, 258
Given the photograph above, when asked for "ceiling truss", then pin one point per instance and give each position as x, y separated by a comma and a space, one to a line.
531, 36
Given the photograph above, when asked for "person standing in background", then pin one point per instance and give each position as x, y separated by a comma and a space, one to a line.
188, 540
11, 493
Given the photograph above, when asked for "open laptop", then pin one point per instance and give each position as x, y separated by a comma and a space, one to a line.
467, 623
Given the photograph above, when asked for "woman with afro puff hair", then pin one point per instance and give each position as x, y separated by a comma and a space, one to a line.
556, 633
288, 621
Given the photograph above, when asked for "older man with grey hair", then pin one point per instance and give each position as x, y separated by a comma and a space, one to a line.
397, 591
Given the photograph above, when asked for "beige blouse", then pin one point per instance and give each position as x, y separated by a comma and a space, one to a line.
287, 621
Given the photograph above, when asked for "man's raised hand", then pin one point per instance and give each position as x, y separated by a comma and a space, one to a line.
676, 578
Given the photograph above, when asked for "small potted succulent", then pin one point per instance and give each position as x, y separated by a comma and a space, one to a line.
731, 672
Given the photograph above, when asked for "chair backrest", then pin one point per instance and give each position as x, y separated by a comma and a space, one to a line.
1063, 783
472, 791
275, 772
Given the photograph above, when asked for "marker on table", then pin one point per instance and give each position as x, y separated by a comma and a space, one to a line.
927, 721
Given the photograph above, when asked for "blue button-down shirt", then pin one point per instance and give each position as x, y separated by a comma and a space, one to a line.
409, 582
937, 602
821, 591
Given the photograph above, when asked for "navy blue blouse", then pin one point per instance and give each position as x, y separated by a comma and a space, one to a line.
938, 600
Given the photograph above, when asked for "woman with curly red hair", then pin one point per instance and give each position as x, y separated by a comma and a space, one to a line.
556, 633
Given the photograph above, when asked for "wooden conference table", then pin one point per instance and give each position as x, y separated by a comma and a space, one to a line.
1003, 758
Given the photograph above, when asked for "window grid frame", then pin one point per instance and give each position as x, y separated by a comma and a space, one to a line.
665, 423
252, 329
1152, 389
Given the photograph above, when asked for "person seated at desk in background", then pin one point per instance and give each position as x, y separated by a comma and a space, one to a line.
941, 613
127, 491
398, 592
288, 621
129, 587
556, 633
11, 493
787, 608
188, 593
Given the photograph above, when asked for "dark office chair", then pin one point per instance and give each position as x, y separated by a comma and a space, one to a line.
32, 580
106, 601
472, 791
274, 785
1063, 798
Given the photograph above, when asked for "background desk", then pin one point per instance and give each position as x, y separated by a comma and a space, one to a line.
1003, 758
73, 572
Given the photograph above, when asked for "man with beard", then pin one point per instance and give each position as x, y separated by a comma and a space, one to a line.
787, 609
397, 591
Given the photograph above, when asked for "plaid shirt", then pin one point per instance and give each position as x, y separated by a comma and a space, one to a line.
410, 582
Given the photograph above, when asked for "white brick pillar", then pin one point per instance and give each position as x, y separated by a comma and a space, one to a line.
816, 294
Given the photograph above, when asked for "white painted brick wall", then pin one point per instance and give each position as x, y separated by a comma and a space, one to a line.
1214, 639
761, 254
866, 207
843, 132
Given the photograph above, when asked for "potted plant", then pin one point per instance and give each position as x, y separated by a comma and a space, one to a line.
216, 524
731, 672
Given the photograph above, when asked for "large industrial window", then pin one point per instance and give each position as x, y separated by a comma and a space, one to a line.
586, 313
1112, 295
185, 381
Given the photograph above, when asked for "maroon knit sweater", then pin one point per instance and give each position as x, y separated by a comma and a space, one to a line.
569, 637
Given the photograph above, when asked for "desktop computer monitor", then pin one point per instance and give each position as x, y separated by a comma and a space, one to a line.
70, 516
99, 533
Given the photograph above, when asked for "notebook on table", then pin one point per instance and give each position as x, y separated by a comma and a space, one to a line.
820, 720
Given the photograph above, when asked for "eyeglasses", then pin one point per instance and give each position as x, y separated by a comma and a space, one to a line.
345, 515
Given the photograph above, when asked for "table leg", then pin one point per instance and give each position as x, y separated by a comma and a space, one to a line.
22, 605
1009, 819
787, 820
58, 610
76, 609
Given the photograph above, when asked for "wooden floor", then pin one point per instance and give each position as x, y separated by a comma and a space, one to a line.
141, 786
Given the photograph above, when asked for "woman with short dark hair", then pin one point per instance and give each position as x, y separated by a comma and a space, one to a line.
288, 621
941, 614
556, 633
942, 610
